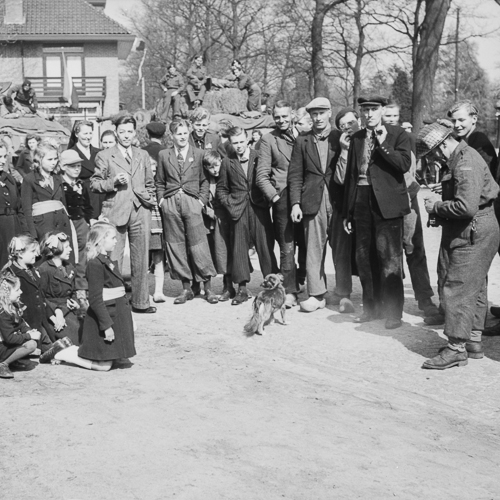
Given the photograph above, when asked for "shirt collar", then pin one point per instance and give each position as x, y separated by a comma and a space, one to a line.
245, 156
183, 152
323, 134
124, 151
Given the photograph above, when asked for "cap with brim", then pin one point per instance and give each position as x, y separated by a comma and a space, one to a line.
430, 137
70, 157
319, 103
373, 100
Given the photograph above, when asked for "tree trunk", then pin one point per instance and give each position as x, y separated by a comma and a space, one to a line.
356, 90
318, 67
426, 60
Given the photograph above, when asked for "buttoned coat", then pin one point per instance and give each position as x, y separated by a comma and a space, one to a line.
306, 179
388, 163
193, 180
275, 154
120, 200
33, 191
235, 189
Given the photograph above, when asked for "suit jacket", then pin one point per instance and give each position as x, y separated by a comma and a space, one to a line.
32, 192
121, 199
306, 179
234, 189
480, 142
211, 142
388, 164
193, 180
275, 154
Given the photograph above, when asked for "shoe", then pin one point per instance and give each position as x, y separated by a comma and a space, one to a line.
446, 359
495, 311
5, 371
239, 298
23, 366
438, 319
346, 306
474, 349
184, 296
159, 298
210, 297
290, 300
57, 346
196, 288
392, 324
312, 304
366, 317
428, 307
148, 310
492, 331
227, 293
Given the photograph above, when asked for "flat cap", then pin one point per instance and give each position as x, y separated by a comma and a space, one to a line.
319, 103
70, 157
431, 136
156, 128
373, 100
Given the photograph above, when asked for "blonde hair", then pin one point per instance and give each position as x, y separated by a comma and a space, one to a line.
45, 147
97, 233
469, 107
9, 282
19, 244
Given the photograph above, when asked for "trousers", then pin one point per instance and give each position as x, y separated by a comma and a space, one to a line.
284, 231
316, 229
186, 240
463, 264
137, 230
413, 244
379, 256
254, 227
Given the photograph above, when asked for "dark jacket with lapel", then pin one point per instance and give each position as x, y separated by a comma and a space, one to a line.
211, 142
306, 179
234, 189
275, 153
192, 181
388, 164
88, 164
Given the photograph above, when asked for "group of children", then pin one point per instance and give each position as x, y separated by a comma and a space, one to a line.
60, 295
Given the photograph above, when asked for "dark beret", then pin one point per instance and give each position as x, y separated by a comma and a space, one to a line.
156, 128
342, 113
373, 100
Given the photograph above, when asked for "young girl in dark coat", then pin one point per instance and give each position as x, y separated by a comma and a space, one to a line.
42, 194
58, 278
12, 219
17, 339
23, 251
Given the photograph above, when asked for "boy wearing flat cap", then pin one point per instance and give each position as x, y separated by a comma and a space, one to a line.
312, 165
375, 202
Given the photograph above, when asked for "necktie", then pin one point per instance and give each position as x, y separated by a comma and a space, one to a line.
180, 161
128, 157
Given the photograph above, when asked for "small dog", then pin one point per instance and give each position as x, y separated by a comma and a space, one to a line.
269, 300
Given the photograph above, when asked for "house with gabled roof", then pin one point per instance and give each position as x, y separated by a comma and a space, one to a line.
42, 39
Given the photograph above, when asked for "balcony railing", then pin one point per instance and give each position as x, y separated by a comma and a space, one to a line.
89, 88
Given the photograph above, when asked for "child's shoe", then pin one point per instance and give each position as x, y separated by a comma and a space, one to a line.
5, 371
57, 346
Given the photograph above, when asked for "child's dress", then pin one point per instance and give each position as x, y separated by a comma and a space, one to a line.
13, 334
108, 307
58, 285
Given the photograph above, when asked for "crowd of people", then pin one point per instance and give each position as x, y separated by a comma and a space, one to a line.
200, 204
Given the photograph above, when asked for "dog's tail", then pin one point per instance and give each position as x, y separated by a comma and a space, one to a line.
253, 323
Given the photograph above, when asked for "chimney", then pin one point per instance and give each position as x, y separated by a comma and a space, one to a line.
14, 12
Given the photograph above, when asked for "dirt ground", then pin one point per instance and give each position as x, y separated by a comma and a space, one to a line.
319, 409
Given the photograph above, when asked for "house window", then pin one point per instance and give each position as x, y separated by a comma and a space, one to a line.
53, 63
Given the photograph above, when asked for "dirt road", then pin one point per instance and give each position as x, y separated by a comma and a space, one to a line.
320, 409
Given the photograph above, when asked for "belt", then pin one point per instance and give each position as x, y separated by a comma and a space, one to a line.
8, 211
113, 293
44, 207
